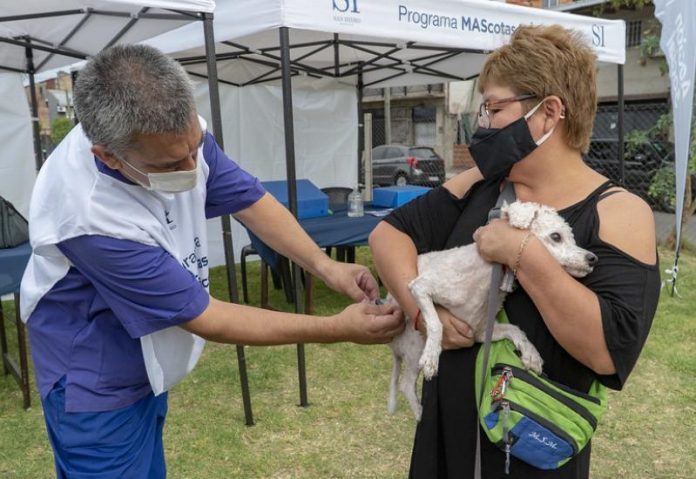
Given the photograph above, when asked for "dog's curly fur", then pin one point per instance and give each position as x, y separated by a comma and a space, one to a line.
459, 279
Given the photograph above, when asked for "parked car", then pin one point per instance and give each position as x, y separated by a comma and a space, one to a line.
407, 165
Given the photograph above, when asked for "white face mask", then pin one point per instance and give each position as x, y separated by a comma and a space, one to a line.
547, 134
170, 182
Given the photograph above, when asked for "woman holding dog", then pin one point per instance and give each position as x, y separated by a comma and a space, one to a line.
535, 121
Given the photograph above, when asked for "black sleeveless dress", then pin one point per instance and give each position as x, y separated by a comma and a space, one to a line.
628, 291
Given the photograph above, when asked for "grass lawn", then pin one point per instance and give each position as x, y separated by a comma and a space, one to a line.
346, 433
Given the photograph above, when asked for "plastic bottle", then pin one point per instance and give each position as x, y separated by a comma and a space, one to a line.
355, 204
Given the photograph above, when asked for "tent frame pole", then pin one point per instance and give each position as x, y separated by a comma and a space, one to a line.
620, 121
292, 191
361, 126
216, 116
38, 153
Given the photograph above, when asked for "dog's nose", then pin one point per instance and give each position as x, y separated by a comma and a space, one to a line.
591, 258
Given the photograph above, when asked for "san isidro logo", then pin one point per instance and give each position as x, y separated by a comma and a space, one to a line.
346, 12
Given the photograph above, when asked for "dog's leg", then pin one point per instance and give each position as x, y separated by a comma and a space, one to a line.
430, 358
407, 385
410, 346
396, 369
529, 355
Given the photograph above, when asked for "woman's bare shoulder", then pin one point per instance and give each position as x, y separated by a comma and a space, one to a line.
462, 183
627, 222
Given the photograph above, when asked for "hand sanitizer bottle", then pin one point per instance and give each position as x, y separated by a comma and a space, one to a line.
355, 203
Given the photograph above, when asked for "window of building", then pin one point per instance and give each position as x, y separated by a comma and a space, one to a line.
634, 31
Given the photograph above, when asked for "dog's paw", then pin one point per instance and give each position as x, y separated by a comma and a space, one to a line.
429, 366
532, 360
418, 412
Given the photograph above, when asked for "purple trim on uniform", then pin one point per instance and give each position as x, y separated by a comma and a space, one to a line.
87, 327
229, 187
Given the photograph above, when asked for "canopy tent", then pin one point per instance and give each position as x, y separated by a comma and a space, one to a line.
378, 43
45, 34
41, 35
358, 42
365, 43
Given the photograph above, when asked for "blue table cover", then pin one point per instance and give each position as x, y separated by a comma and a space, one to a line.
337, 229
13, 261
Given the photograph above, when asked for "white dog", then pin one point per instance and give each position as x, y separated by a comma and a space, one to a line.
459, 280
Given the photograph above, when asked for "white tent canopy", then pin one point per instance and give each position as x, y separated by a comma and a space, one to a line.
365, 42
17, 172
359, 42
61, 31
390, 42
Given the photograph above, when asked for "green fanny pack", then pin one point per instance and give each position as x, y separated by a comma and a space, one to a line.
532, 418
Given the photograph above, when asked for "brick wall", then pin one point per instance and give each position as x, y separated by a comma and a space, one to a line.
461, 159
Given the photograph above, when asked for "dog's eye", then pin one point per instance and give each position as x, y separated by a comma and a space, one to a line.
556, 237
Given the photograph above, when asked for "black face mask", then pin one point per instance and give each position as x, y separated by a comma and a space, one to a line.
496, 150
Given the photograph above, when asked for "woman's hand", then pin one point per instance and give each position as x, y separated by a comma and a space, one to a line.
498, 242
456, 333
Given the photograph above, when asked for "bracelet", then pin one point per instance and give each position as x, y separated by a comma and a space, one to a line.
415, 320
519, 253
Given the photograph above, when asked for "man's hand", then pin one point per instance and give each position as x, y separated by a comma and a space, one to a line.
365, 323
456, 333
353, 280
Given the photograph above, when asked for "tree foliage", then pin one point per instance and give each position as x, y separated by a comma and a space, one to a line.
60, 127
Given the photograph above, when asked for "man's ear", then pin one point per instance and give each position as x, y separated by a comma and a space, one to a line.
106, 157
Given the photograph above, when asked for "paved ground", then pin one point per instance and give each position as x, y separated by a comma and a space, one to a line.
664, 222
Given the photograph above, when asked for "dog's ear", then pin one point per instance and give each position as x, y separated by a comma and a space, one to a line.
522, 214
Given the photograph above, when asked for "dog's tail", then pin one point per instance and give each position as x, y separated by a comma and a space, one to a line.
393, 384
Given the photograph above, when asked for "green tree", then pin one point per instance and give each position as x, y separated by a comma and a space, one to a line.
60, 127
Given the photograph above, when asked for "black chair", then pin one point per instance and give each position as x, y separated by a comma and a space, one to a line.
280, 276
338, 195
338, 198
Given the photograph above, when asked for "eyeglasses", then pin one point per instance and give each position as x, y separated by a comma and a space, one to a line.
484, 113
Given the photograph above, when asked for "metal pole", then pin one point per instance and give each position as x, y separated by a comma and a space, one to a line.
292, 190
367, 193
38, 153
620, 120
216, 116
361, 126
337, 61
73, 79
387, 116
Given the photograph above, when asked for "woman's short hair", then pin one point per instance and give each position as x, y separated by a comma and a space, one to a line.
127, 90
550, 60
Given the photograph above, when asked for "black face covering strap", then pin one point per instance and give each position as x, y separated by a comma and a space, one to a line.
496, 150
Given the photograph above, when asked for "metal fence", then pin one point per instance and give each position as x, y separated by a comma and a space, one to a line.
648, 155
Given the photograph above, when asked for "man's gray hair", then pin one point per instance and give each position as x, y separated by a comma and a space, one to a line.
128, 90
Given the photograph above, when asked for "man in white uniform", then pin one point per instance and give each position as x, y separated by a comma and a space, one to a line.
115, 294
